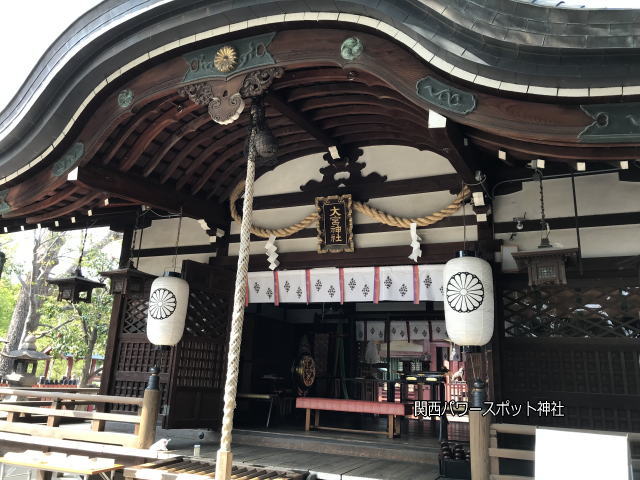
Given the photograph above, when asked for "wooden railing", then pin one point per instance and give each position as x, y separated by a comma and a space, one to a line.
62, 405
495, 453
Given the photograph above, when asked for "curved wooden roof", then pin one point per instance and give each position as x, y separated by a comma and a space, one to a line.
165, 151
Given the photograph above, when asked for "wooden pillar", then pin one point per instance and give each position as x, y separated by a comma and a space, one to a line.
125, 249
69, 366
47, 366
479, 432
149, 413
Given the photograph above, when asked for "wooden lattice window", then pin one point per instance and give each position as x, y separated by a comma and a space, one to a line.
135, 315
138, 355
598, 311
207, 315
194, 368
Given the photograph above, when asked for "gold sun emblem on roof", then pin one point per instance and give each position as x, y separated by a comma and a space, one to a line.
226, 59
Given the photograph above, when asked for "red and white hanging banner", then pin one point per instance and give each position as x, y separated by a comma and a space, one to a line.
396, 283
292, 286
403, 283
359, 284
260, 287
430, 282
324, 285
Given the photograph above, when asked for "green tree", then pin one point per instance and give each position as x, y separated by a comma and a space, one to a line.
33, 287
80, 329
8, 290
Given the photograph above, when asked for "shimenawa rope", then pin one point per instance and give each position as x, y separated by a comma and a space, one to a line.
378, 215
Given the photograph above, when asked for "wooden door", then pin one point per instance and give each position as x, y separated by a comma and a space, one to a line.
198, 362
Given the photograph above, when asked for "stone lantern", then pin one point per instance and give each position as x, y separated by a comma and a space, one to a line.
25, 363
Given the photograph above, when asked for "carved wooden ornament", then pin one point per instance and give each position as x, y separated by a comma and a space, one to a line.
223, 99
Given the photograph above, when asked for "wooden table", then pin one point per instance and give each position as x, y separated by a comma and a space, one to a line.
45, 469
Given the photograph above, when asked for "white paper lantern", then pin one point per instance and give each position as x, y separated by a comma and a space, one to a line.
168, 303
468, 300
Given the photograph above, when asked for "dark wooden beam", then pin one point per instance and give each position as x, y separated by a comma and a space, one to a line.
450, 140
168, 251
146, 192
192, 126
364, 228
436, 183
558, 152
396, 255
117, 220
300, 119
149, 134
569, 223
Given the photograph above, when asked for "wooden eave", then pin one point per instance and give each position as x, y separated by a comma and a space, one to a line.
164, 151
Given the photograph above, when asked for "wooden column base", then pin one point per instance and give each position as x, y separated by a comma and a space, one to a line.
224, 463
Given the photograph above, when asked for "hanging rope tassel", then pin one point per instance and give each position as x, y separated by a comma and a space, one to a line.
225, 457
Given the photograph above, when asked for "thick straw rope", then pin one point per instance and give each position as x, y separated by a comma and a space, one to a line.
235, 336
378, 215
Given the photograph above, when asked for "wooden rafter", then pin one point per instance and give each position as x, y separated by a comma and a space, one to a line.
54, 199
192, 126
300, 119
239, 162
150, 133
144, 192
284, 135
69, 209
450, 141
149, 110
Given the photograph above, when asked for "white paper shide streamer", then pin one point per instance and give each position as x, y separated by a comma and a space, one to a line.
272, 252
415, 243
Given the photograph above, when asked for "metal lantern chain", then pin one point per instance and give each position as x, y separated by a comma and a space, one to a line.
175, 255
84, 242
544, 226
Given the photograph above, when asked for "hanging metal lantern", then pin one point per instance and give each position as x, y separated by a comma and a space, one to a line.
167, 312
545, 265
128, 281
468, 300
77, 288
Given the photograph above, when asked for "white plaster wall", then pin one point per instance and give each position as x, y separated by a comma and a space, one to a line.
159, 265
162, 233
613, 241
396, 162
595, 194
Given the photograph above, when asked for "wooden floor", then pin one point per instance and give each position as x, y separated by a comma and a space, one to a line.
329, 467
331, 455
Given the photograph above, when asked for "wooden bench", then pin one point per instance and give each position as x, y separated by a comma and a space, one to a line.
391, 410
74, 465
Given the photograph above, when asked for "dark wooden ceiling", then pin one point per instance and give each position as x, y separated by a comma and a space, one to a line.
166, 152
